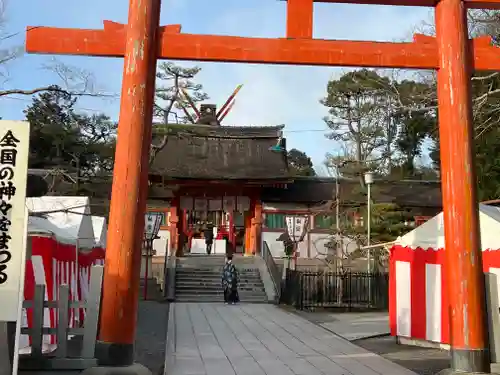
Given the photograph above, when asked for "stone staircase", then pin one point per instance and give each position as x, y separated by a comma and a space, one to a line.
198, 279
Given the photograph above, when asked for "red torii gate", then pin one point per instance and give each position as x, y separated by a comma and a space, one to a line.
142, 41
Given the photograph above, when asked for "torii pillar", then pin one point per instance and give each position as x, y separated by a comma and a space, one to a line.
463, 268
129, 189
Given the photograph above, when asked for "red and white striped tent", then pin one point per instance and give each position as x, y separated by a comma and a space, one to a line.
55, 256
417, 278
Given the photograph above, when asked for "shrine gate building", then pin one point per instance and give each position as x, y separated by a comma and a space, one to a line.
238, 178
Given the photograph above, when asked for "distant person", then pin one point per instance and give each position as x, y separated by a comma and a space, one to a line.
230, 281
209, 237
287, 243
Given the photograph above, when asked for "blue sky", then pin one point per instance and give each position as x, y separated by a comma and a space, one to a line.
272, 94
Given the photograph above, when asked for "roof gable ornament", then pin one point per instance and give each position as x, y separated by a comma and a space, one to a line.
208, 114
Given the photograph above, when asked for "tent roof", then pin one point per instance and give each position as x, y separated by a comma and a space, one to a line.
40, 225
431, 233
100, 230
69, 213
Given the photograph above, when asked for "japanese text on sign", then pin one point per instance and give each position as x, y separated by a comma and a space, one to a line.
8, 158
14, 146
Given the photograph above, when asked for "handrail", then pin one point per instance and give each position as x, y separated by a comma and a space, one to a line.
169, 277
273, 268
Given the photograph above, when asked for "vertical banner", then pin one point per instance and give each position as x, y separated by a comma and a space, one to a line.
14, 148
296, 227
242, 203
228, 204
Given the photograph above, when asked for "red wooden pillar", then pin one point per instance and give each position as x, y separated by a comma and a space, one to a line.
126, 219
249, 228
232, 237
257, 224
468, 336
174, 227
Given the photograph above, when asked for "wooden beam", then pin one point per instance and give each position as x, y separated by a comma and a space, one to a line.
471, 4
173, 45
299, 19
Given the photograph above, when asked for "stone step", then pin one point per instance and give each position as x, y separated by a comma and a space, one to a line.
192, 285
203, 271
200, 283
193, 290
218, 292
200, 274
207, 278
215, 283
220, 295
198, 279
211, 259
199, 299
209, 266
216, 268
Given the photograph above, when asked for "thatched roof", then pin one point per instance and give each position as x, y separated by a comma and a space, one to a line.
218, 152
405, 193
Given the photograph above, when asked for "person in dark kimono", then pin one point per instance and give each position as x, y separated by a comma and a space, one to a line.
230, 281
209, 237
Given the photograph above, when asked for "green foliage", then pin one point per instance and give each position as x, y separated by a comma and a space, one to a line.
61, 137
415, 119
53, 129
382, 123
171, 79
388, 222
355, 103
299, 163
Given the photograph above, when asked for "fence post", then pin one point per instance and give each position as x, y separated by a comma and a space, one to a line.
93, 304
300, 291
38, 310
62, 321
492, 308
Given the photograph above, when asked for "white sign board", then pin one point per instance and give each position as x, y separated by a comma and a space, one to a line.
152, 222
296, 227
14, 147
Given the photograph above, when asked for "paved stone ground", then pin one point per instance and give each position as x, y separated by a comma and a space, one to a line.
217, 339
360, 327
423, 361
350, 325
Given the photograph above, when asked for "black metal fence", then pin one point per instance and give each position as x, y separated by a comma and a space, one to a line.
349, 291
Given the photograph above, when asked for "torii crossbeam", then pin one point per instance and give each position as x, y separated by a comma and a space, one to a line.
141, 42
422, 53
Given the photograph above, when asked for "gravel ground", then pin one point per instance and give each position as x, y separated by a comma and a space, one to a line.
423, 361
151, 335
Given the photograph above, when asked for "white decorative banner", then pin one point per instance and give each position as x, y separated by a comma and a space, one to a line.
243, 203
215, 205
152, 222
14, 148
296, 227
228, 204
